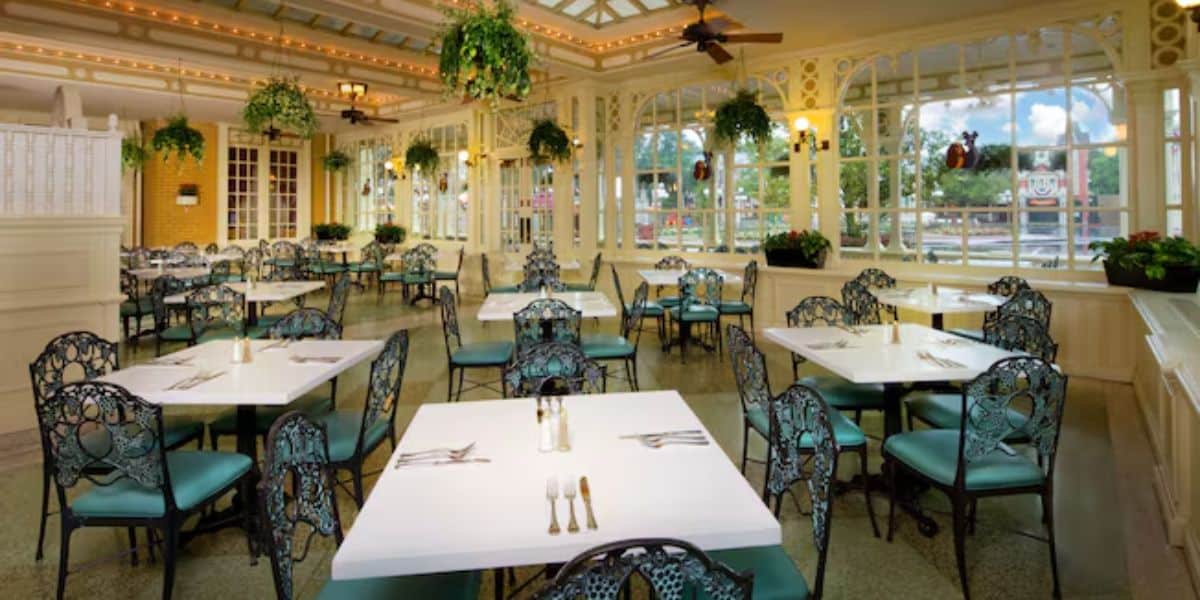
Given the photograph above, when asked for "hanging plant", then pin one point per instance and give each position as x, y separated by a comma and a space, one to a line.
548, 142
421, 155
741, 116
133, 153
179, 138
483, 56
336, 161
280, 104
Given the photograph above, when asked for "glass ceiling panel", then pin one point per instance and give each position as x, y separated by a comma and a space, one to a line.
599, 13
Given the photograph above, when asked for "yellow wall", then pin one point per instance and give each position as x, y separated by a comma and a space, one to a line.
166, 223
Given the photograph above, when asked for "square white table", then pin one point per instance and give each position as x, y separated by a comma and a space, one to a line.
670, 277
502, 306
518, 266
181, 272
946, 301
263, 291
480, 516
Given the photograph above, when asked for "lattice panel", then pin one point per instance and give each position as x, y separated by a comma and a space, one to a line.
513, 125
1168, 33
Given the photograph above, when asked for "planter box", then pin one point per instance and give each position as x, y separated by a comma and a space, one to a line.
1181, 280
794, 258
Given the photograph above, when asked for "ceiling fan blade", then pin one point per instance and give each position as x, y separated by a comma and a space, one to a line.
662, 51
719, 24
719, 54
752, 38
384, 120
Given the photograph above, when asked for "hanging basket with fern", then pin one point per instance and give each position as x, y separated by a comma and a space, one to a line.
548, 142
336, 161
180, 139
421, 156
133, 153
483, 55
741, 116
281, 104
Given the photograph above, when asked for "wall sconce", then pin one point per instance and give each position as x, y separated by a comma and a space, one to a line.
1193, 7
471, 158
395, 168
577, 143
352, 89
807, 134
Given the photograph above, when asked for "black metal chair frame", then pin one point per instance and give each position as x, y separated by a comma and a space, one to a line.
450, 329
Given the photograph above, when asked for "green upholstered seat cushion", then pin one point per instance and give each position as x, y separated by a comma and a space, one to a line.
363, 267
736, 307
445, 275
264, 416
233, 278
504, 289
845, 432
253, 332
974, 334
482, 354
695, 313
343, 426
934, 453
653, 309
668, 301
844, 395
776, 577
176, 333
443, 586
944, 411
607, 345
144, 306
195, 477
579, 287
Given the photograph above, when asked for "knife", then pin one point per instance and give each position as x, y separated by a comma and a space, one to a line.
586, 491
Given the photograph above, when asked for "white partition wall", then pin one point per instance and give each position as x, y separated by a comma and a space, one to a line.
60, 231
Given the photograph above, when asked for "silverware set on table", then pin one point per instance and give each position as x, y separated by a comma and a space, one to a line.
195, 380
437, 457
282, 343
852, 330
570, 492
301, 360
944, 363
682, 437
169, 361
838, 345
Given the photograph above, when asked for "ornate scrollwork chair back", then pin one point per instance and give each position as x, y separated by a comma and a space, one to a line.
554, 369
383, 385
750, 282
1027, 386
749, 370
91, 355
252, 262
337, 298
547, 320
874, 278
211, 248
1015, 332
1008, 286
186, 247
450, 329
817, 311
302, 323
216, 306
631, 320
1028, 303
700, 287
860, 304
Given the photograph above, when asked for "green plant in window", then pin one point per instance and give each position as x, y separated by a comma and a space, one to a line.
331, 231
483, 55
387, 233
133, 153
548, 142
336, 161
280, 104
810, 244
1149, 252
740, 116
179, 138
421, 156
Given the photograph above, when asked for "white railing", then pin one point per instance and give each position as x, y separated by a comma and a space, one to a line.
51, 171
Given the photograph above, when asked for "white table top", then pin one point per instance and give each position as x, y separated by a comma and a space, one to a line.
671, 276
947, 300
870, 358
514, 266
478, 516
271, 378
336, 247
181, 273
264, 291
502, 306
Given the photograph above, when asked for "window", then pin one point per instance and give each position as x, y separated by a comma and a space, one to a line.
1038, 176
375, 186
284, 193
1173, 134
675, 210
265, 193
242, 186
441, 200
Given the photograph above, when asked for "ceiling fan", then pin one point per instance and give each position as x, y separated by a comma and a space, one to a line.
708, 37
355, 90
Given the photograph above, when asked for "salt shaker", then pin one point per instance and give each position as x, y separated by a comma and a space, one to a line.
238, 350
247, 354
564, 434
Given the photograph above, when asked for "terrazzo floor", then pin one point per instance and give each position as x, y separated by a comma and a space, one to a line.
1003, 561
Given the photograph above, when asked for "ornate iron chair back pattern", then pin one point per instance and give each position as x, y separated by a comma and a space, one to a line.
860, 304
597, 264
212, 248
296, 495
547, 320
485, 272
216, 306
163, 286
417, 262
990, 397
874, 279
669, 567
220, 272
554, 369
252, 262
337, 298
186, 247
1008, 286
305, 323
801, 412
749, 372
1028, 303
450, 328
429, 250
541, 273
750, 283
699, 287
669, 263
1023, 334
814, 311
383, 388
631, 320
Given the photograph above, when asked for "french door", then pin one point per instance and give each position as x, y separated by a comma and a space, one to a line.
526, 204
264, 189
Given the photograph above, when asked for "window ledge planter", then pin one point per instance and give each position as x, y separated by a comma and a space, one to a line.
791, 257
1182, 280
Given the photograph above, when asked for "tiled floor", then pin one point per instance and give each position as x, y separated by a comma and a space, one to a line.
1004, 562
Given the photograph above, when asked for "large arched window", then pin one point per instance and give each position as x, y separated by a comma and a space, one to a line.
1049, 163
746, 196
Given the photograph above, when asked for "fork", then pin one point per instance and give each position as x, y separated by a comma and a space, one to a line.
552, 496
569, 493
449, 452
659, 443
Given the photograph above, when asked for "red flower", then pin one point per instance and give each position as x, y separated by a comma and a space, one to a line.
1144, 236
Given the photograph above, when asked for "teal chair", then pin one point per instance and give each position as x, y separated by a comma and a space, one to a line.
623, 347
823, 311
298, 458
463, 357
355, 434
337, 298
126, 477
92, 356
1007, 287
553, 369
370, 263
878, 279
452, 275
135, 307
804, 448
165, 328
669, 263
300, 324
546, 320
973, 462
221, 271
590, 285
217, 312
416, 273
699, 304
743, 307
488, 288
653, 310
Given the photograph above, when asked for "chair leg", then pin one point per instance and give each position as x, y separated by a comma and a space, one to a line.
753, 337
971, 515
248, 518
960, 551
133, 553
45, 511
64, 552
862, 453
462, 375
356, 473
1048, 515
745, 443
450, 386
637, 385
767, 478
333, 393
891, 472
170, 548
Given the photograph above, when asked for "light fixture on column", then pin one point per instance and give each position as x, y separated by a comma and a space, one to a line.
352, 89
1193, 7
469, 158
807, 134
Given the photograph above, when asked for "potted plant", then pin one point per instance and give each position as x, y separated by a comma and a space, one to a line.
796, 249
1149, 261
133, 153
336, 161
483, 55
548, 142
421, 156
387, 233
331, 231
281, 104
741, 116
179, 138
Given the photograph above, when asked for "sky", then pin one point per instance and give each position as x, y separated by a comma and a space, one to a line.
1041, 116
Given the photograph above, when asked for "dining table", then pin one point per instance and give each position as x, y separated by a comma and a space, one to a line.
670, 277
150, 274
492, 509
260, 292
938, 301
501, 306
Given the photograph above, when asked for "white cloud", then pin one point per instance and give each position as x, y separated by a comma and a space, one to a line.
1048, 122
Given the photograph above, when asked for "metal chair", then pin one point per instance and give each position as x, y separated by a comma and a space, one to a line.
546, 320
823, 311
623, 347
553, 369
462, 357
699, 301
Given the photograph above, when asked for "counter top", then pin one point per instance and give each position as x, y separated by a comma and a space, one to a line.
1174, 324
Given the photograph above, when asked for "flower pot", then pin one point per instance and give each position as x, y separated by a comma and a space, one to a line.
1178, 279
790, 257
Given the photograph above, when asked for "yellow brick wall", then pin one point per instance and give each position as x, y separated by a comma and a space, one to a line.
166, 223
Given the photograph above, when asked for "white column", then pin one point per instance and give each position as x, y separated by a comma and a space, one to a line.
1146, 135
